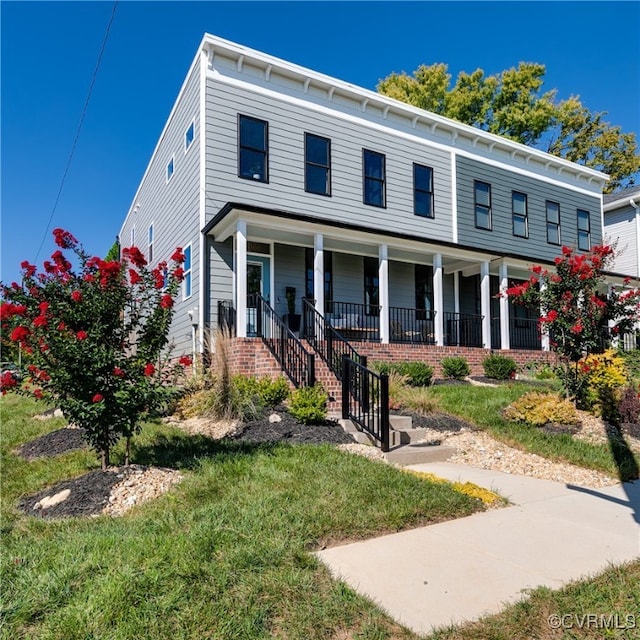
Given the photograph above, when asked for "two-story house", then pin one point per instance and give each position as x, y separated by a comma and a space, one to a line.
622, 228
398, 226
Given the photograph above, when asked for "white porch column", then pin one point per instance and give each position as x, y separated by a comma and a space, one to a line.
318, 272
241, 279
383, 281
456, 291
485, 304
504, 307
438, 300
544, 330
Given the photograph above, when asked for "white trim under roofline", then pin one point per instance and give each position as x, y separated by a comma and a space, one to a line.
194, 64
306, 76
216, 76
623, 201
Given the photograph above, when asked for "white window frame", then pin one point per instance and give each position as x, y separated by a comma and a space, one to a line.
171, 169
189, 143
187, 277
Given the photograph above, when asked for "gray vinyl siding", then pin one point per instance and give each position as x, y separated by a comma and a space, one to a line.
501, 237
348, 278
402, 292
285, 189
620, 229
220, 277
289, 272
173, 207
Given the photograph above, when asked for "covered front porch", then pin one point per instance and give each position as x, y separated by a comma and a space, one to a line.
369, 287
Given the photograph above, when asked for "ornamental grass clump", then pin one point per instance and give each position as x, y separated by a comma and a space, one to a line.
94, 337
540, 409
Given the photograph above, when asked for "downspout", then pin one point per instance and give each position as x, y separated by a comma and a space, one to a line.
633, 203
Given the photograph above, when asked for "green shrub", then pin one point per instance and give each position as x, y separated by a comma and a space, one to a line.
499, 367
273, 392
308, 405
538, 409
455, 367
417, 374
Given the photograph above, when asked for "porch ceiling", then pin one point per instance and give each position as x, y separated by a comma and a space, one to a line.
263, 227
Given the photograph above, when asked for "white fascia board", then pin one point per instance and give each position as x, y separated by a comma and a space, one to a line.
196, 61
221, 78
621, 202
307, 76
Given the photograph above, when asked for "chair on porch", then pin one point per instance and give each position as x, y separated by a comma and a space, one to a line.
397, 332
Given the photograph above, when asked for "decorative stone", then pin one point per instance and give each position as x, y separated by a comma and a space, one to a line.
50, 501
274, 417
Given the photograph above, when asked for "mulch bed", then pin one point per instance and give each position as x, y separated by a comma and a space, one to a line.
440, 422
53, 444
290, 431
89, 495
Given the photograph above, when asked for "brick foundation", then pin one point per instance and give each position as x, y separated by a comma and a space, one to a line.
249, 356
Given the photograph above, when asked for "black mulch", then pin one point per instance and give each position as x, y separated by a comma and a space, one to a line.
440, 422
89, 495
53, 444
290, 431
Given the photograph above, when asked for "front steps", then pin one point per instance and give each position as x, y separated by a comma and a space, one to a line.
405, 445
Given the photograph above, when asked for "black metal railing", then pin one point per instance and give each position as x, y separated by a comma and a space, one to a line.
365, 400
462, 329
411, 325
524, 333
326, 340
355, 321
296, 362
226, 315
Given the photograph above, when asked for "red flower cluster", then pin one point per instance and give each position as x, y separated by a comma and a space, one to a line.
27, 269
8, 310
134, 277
135, 256
185, 361
177, 255
97, 398
118, 372
82, 335
76, 296
149, 369
64, 239
19, 334
166, 302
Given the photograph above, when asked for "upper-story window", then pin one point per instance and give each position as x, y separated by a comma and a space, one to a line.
584, 230
553, 222
373, 174
253, 136
317, 164
519, 214
482, 204
423, 191
186, 265
188, 136
150, 244
170, 169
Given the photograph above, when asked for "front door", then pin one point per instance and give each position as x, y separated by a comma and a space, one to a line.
258, 282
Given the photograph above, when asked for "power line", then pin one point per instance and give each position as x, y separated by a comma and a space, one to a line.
79, 128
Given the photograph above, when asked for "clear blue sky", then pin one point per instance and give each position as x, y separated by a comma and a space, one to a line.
49, 52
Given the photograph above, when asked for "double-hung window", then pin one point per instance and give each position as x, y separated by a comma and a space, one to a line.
150, 244
373, 175
584, 230
423, 191
317, 164
519, 214
553, 222
186, 280
482, 204
188, 136
253, 160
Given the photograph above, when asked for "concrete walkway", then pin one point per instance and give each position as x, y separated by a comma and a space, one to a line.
466, 568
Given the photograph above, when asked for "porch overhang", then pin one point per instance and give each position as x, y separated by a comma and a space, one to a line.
293, 228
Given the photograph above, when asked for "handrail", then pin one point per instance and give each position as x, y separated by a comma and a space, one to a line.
365, 400
296, 362
226, 315
326, 341
462, 329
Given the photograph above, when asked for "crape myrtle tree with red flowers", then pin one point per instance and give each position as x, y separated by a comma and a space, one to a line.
94, 337
577, 311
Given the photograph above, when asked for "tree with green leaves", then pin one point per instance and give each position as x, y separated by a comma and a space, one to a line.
512, 104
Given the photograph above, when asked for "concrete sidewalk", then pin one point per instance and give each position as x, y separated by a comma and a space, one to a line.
466, 568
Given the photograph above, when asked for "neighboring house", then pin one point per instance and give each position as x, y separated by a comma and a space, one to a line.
622, 228
400, 225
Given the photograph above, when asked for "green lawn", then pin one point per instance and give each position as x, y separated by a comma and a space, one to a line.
227, 554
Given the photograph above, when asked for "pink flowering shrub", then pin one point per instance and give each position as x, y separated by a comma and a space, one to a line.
93, 337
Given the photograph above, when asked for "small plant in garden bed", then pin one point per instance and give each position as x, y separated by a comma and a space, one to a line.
541, 409
499, 367
309, 405
455, 367
418, 374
